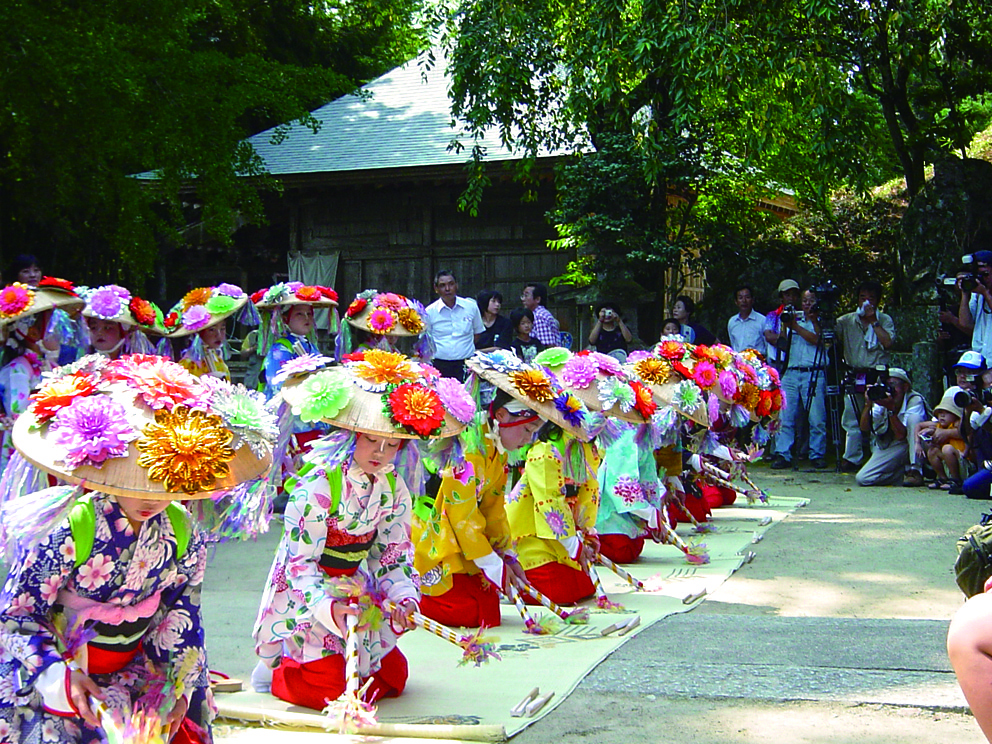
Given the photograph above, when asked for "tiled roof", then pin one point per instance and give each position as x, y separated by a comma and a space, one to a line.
405, 122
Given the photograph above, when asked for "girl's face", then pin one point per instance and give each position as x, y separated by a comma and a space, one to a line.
515, 437
373, 453
139, 511
679, 312
946, 418
300, 320
214, 336
105, 335
494, 306
525, 326
670, 329
29, 275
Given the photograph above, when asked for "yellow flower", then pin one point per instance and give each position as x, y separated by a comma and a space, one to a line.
410, 319
198, 296
186, 450
653, 371
385, 367
532, 383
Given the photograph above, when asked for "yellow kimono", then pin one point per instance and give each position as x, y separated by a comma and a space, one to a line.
212, 364
466, 522
542, 518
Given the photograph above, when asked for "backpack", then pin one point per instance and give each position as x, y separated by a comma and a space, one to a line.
973, 566
82, 522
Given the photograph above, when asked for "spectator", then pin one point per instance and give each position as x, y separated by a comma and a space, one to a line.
890, 420
746, 329
976, 426
968, 368
524, 345
864, 338
25, 269
671, 327
694, 333
975, 311
546, 329
804, 386
946, 452
609, 333
454, 323
776, 342
498, 331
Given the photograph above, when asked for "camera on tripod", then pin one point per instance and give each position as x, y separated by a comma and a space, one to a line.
788, 314
873, 382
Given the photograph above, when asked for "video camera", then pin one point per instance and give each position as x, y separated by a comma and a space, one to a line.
788, 314
872, 382
964, 398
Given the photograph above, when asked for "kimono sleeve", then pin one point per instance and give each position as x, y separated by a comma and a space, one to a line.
458, 503
553, 516
390, 558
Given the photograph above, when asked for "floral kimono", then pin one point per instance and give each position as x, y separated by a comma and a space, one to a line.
17, 380
282, 351
337, 527
129, 614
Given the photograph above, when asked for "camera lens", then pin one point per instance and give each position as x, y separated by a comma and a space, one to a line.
962, 398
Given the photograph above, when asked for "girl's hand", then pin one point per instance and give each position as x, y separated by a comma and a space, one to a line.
81, 688
401, 615
175, 718
340, 611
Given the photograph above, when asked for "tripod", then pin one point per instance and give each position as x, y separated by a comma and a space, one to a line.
832, 402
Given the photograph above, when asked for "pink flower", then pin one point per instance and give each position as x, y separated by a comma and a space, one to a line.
230, 290
381, 321
106, 303
728, 384
391, 301
607, 364
22, 604
704, 374
638, 355
92, 430
94, 573
579, 372
50, 588
165, 384
455, 399
196, 318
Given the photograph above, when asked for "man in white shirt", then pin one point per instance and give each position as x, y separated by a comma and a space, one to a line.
891, 420
453, 323
975, 312
746, 329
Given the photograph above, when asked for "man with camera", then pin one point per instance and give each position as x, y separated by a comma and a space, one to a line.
864, 338
975, 311
610, 333
890, 413
804, 385
776, 336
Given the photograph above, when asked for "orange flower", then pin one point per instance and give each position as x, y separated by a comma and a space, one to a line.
653, 371
643, 400
416, 407
186, 450
410, 319
309, 294
198, 296
532, 383
58, 394
385, 367
671, 349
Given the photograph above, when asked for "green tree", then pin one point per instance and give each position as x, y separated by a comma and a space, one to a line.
94, 92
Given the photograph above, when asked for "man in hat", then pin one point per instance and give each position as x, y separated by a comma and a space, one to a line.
864, 338
969, 366
975, 311
776, 334
453, 323
890, 413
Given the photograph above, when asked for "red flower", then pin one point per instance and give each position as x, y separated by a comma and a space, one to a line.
416, 408
356, 307
308, 294
51, 281
671, 349
256, 297
765, 403
142, 311
355, 356
58, 394
328, 293
171, 320
643, 400
683, 370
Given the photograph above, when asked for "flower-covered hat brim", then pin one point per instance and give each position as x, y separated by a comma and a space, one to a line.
181, 332
48, 298
322, 302
361, 321
665, 395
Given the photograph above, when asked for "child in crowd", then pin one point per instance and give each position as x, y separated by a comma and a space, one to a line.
946, 453
671, 327
202, 314
523, 344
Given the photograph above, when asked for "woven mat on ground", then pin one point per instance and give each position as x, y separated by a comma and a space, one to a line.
465, 703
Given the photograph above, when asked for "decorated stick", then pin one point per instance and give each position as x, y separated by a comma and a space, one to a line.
697, 525
531, 625
578, 616
621, 572
762, 496
350, 710
476, 648
693, 553
352, 679
602, 601
721, 478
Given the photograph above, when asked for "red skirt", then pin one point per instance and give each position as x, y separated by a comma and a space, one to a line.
316, 683
561, 584
470, 603
620, 548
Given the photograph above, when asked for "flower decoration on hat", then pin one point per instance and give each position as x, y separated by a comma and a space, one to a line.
381, 320
687, 396
245, 412
704, 374
198, 296
196, 318
206, 306
59, 394
553, 357
165, 384
456, 399
643, 400
607, 365
57, 283
381, 368
143, 311
308, 294
107, 303
533, 383
300, 365
416, 408
571, 408
410, 319
186, 450
356, 307
671, 349
579, 372
653, 371
15, 299
386, 313
728, 384
92, 430
323, 395
614, 391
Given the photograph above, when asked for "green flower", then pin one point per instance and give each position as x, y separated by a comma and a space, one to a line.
688, 396
323, 396
220, 304
553, 357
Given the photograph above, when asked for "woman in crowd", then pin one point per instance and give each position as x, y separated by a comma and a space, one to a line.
498, 328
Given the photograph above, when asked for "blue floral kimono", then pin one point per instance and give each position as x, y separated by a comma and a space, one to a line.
139, 605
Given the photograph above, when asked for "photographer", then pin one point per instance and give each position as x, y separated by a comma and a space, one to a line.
975, 311
804, 385
891, 411
976, 428
775, 334
609, 333
864, 338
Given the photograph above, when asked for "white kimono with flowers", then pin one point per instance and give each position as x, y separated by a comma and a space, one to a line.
295, 617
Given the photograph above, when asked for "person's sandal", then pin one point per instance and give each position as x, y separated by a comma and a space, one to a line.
937, 485
913, 479
956, 489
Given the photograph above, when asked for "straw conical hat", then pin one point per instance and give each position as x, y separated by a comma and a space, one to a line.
295, 293
94, 424
386, 314
117, 304
20, 300
204, 307
382, 393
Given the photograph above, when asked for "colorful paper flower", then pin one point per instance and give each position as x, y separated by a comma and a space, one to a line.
55, 282
323, 395
705, 374
579, 372
165, 384
195, 318
245, 412
186, 450
728, 384
15, 299
653, 371
415, 408
143, 311
308, 294
671, 349
456, 399
571, 408
356, 307
300, 365
748, 396
59, 394
638, 355
229, 290
687, 396
643, 400
171, 320
410, 319
553, 357
276, 293
385, 368
764, 406
219, 304
381, 320
328, 292
92, 430
616, 392
391, 301
607, 364
533, 384
198, 296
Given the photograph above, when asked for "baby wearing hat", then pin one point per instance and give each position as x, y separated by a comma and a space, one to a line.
945, 456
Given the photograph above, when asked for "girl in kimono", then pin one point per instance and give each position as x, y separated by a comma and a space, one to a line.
346, 543
117, 322
100, 623
378, 320
202, 316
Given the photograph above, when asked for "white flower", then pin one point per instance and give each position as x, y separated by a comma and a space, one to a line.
94, 573
6, 696
22, 604
68, 549
49, 731
50, 588
169, 634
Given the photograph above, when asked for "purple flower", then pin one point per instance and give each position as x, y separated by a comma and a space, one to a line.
455, 399
92, 430
229, 290
122, 292
607, 364
728, 384
106, 303
571, 408
556, 521
579, 372
638, 355
196, 318
299, 365
628, 490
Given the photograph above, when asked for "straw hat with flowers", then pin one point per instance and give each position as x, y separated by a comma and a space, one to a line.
203, 307
144, 427
386, 314
539, 390
381, 393
19, 301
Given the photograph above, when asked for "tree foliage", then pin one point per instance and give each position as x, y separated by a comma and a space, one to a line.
93, 92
